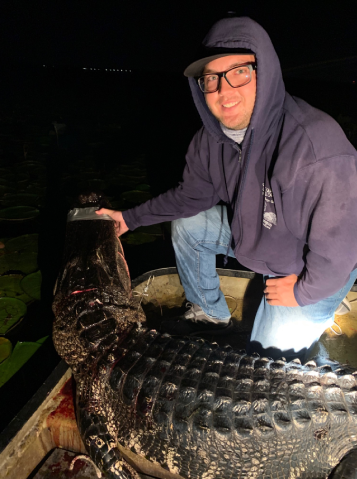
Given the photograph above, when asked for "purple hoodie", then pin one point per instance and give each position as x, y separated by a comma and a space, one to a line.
292, 188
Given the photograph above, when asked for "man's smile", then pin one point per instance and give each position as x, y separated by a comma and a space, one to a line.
230, 104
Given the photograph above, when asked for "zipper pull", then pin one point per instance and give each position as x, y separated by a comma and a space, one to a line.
239, 149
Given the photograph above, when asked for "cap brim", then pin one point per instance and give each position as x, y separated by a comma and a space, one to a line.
196, 68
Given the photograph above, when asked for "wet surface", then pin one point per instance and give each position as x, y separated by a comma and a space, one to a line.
58, 466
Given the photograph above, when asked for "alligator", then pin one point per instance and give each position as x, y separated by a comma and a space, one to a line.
192, 408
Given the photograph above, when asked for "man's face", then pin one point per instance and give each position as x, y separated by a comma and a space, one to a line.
232, 106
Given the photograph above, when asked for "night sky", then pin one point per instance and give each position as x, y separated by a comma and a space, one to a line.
162, 35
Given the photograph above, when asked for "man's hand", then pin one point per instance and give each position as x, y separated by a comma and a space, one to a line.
280, 291
120, 225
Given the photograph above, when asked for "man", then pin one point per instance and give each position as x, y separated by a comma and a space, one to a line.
287, 175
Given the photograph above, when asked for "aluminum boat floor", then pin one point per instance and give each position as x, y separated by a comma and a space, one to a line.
164, 297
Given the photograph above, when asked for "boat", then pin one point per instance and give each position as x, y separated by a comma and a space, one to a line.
42, 440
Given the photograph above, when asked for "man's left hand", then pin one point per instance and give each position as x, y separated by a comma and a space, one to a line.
280, 291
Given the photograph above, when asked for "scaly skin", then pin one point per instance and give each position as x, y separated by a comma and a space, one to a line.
196, 409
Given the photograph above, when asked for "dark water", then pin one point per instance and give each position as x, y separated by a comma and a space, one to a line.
113, 119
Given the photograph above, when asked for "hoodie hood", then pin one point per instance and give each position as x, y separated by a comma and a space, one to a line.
245, 33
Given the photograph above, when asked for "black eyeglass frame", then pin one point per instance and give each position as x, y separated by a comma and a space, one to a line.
253, 66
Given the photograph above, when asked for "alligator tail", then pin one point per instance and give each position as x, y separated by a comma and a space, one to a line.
101, 447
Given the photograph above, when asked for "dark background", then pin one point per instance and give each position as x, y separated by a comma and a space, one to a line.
315, 40
160, 35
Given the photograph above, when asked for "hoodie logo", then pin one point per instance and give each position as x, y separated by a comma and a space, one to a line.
269, 217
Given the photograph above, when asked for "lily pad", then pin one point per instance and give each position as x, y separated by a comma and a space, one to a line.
24, 242
138, 238
24, 261
155, 230
10, 287
132, 170
36, 189
18, 213
31, 284
5, 190
22, 185
5, 349
9, 177
8, 183
94, 184
11, 311
30, 165
21, 177
21, 354
25, 199
136, 196
90, 175
124, 180
143, 187
119, 205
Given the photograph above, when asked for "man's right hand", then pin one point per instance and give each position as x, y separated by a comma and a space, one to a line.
120, 225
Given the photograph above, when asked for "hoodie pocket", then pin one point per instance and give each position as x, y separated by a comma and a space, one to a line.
254, 264
261, 267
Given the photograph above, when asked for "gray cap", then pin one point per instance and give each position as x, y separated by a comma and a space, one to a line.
207, 54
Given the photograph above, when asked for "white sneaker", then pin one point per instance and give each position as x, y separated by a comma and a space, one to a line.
195, 314
196, 322
344, 307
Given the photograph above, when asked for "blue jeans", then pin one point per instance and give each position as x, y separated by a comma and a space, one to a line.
197, 240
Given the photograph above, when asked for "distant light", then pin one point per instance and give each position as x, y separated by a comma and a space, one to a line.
84, 69
43, 65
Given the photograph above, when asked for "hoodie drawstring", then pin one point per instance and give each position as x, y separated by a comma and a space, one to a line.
237, 189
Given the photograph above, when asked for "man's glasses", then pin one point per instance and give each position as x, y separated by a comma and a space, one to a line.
236, 77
